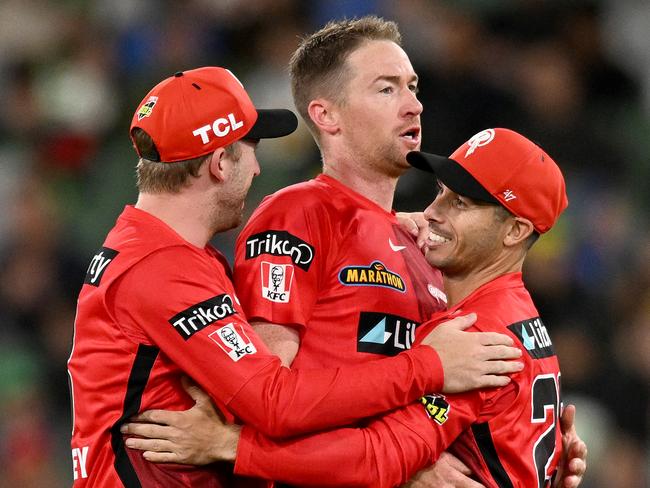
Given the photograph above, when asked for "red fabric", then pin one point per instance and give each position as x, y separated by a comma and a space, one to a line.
389, 450
345, 231
195, 112
154, 307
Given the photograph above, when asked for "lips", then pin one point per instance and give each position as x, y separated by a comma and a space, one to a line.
411, 135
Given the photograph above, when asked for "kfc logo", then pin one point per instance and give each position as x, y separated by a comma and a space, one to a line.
276, 281
235, 343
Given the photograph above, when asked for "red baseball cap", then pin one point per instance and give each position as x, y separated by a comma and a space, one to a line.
503, 167
195, 112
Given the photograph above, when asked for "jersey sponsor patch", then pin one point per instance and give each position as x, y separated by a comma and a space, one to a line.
280, 243
534, 337
374, 275
98, 265
437, 407
384, 333
276, 281
232, 339
199, 316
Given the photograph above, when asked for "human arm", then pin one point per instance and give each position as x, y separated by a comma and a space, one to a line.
187, 318
573, 464
469, 359
356, 455
384, 453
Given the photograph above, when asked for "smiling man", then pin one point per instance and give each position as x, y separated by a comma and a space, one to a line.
355, 286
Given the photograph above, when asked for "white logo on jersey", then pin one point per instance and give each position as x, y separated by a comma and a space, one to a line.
394, 247
79, 456
481, 139
234, 343
276, 281
437, 293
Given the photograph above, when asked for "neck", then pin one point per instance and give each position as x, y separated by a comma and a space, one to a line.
363, 178
459, 285
180, 212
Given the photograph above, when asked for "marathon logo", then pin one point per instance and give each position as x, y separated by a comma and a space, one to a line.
280, 243
199, 316
98, 265
232, 340
437, 408
374, 275
384, 333
534, 337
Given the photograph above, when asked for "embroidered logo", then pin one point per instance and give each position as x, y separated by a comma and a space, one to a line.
481, 139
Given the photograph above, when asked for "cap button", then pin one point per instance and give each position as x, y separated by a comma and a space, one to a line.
178, 74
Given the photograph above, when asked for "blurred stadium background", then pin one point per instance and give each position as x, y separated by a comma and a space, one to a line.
572, 75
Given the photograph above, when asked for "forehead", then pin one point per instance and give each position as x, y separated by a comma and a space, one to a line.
374, 59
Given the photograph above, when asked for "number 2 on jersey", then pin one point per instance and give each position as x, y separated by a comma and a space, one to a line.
545, 399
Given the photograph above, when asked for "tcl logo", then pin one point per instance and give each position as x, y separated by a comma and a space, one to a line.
220, 127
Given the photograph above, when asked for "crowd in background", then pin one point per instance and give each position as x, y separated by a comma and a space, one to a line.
572, 75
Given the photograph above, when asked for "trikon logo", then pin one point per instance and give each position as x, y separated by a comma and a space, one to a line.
280, 243
199, 316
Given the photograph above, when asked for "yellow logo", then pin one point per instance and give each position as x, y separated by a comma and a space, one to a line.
147, 108
437, 408
374, 275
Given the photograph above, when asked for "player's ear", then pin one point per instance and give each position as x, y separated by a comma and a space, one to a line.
324, 115
217, 164
518, 231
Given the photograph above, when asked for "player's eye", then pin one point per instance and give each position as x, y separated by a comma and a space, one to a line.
459, 202
387, 90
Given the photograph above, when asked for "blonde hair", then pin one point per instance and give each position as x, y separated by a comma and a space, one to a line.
161, 177
318, 66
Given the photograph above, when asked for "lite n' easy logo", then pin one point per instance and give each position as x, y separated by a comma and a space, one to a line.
98, 265
383, 333
534, 337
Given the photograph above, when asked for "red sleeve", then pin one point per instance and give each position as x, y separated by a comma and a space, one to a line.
190, 312
279, 258
385, 453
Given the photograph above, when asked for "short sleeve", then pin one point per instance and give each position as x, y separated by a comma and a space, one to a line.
279, 259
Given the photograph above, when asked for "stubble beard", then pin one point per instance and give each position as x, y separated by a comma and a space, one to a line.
389, 159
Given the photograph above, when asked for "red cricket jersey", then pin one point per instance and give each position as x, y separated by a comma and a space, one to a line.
508, 436
322, 258
154, 307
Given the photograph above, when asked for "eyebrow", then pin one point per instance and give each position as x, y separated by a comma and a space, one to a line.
394, 79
